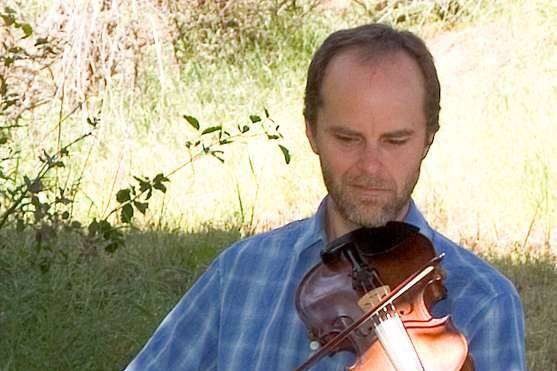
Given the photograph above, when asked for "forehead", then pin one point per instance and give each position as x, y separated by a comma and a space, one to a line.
354, 69
387, 89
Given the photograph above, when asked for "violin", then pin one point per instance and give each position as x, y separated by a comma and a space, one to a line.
372, 294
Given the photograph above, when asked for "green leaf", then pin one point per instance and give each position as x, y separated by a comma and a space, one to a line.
65, 215
272, 137
254, 118
16, 50
3, 86
105, 227
113, 246
93, 227
266, 112
41, 41
159, 178
8, 19
285, 153
192, 121
158, 182
93, 121
141, 206
27, 30
8, 61
123, 195
144, 186
161, 187
127, 213
36, 186
212, 129
218, 155
36, 202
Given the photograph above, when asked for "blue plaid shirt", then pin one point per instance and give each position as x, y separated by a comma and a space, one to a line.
240, 314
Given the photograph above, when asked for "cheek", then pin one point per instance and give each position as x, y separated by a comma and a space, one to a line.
404, 165
407, 168
339, 162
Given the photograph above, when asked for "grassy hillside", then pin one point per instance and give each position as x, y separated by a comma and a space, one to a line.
140, 68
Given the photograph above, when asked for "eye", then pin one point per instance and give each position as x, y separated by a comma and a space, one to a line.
397, 141
347, 138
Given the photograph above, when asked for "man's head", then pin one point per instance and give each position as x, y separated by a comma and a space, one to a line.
372, 41
371, 109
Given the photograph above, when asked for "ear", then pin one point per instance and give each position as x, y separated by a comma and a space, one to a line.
310, 134
429, 142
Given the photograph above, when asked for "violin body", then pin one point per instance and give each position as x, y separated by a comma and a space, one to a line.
358, 271
436, 337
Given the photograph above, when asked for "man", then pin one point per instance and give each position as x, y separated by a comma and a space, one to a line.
371, 110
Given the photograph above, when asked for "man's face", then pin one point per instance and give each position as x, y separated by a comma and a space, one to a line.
371, 137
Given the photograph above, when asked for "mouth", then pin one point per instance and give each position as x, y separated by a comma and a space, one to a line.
371, 191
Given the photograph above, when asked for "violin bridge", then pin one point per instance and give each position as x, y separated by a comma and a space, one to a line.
371, 298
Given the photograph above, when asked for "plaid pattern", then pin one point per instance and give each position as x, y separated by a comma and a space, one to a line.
240, 314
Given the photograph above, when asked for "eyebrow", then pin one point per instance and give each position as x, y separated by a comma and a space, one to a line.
341, 130
392, 134
399, 133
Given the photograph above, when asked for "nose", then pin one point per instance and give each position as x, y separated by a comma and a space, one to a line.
371, 158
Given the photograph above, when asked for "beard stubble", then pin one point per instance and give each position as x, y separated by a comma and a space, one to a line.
363, 210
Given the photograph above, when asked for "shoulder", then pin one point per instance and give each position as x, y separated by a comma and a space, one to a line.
281, 243
470, 275
482, 302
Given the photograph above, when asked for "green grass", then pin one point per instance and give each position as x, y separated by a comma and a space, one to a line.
95, 312
536, 281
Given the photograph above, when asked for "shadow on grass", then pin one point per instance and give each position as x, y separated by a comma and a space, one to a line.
95, 313
536, 282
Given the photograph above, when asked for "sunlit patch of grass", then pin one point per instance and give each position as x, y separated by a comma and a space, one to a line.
489, 174
492, 168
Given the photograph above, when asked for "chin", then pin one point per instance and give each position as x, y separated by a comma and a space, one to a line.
365, 218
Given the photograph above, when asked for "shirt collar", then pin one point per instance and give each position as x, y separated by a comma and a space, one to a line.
315, 231
415, 217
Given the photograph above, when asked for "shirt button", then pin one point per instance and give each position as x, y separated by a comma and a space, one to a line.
314, 345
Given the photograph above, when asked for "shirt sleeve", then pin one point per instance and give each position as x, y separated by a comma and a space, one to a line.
187, 339
497, 336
